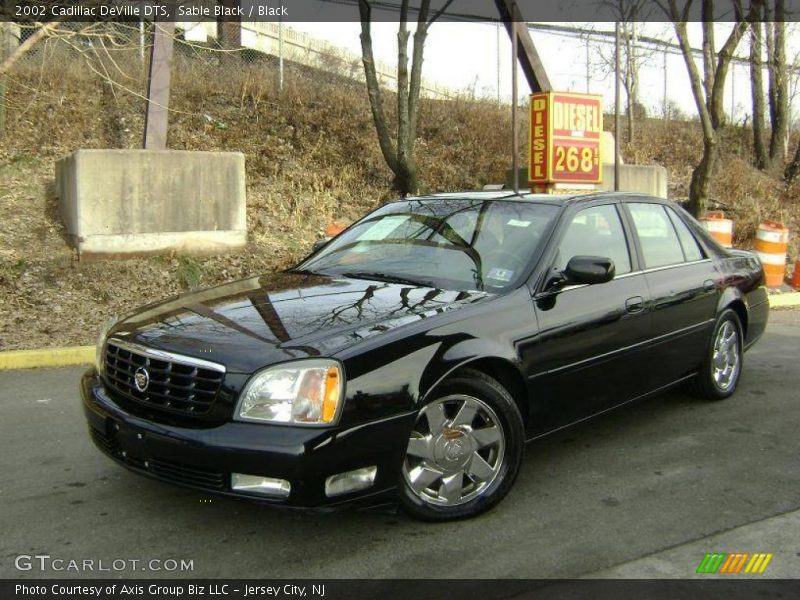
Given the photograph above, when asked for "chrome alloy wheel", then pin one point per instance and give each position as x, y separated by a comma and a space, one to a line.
455, 451
726, 361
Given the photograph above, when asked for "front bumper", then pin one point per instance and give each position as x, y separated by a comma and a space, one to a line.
204, 459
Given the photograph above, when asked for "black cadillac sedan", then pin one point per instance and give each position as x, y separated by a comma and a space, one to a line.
413, 355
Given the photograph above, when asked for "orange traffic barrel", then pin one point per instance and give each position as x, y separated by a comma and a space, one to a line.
334, 229
796, 275
720, 228
772, 241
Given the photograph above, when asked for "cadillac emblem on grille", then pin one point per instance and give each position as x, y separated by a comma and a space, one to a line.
141, 379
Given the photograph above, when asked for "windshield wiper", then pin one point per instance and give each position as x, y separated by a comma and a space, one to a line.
387, 277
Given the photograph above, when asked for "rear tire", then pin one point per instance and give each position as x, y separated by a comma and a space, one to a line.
464, 451
719, 374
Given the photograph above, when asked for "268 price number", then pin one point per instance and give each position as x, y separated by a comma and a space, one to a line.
574, 159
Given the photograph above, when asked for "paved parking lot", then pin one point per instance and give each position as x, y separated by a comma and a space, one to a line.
644, 491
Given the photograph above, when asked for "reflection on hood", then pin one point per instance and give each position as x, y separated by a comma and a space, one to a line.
262, 320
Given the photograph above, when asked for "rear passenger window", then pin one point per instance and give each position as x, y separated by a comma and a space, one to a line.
596, 231
660, 244
688, 242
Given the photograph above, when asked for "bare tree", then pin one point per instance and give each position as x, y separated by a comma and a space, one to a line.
708, 90
757, 87
633, 54
399, 155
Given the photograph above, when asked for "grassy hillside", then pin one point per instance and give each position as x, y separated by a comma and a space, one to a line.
311, 157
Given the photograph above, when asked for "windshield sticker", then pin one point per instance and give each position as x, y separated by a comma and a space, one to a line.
516, 223
383, 228
500, 274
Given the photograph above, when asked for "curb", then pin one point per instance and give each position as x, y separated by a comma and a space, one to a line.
47, 357
784, 300
84, 355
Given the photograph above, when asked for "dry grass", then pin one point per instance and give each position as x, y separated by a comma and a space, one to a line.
311, 157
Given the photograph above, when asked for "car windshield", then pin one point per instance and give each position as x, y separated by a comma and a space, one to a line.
449, 243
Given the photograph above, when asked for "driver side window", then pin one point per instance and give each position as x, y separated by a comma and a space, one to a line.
595, 231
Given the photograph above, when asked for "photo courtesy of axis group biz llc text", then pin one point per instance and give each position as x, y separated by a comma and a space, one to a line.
409, 299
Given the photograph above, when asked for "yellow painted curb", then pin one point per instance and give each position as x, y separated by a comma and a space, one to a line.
781, 300
47, 357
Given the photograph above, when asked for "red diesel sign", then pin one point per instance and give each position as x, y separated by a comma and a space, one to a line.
565, 138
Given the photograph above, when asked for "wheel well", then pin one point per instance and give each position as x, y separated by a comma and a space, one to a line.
506, 375
738, 307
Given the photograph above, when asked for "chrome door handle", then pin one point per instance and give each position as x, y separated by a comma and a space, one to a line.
634, 304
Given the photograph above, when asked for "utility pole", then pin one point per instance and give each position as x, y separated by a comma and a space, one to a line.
514, 124
616, 108
664, 105
158, 81
141, 41
280, 53
588, 66
733, 92
497, 30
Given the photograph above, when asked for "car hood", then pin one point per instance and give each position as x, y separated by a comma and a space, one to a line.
255, 322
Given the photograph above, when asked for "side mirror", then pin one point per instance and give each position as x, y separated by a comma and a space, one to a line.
320, 243
588, 270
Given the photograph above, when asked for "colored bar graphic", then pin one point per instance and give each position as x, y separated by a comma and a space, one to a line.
734, 563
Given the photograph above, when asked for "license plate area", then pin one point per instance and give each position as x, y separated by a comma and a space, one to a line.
130, 442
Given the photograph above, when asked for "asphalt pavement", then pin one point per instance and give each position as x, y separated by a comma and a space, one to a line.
644, 491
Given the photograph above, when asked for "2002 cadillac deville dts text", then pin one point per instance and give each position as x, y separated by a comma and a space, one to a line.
414, 354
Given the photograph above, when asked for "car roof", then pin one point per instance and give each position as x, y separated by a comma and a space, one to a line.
525, 196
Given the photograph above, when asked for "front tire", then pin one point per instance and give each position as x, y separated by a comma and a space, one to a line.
464, 451
719, 374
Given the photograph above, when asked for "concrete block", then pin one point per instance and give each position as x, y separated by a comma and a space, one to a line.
644, 179
118, 203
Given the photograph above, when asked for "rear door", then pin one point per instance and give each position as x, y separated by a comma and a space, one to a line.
682, 283
591, 351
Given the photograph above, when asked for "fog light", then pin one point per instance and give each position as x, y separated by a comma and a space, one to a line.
351, 481
256, 484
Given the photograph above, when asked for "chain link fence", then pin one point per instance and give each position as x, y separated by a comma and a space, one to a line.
126, 44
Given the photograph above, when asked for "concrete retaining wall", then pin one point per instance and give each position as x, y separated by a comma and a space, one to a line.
644, 179
130, 202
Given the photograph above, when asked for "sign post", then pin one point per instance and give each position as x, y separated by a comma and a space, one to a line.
564, 150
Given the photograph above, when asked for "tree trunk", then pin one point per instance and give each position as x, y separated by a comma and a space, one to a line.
403, 150
405, 178
793, 169
778, 92
374, 89
700, 185
757, 89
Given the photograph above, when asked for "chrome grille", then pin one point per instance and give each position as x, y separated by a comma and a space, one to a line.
178, 384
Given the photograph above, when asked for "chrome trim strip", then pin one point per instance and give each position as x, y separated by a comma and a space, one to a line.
640, 272
683, 264
169, 356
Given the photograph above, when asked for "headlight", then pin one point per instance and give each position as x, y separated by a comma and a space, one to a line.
101, 341
305, 392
